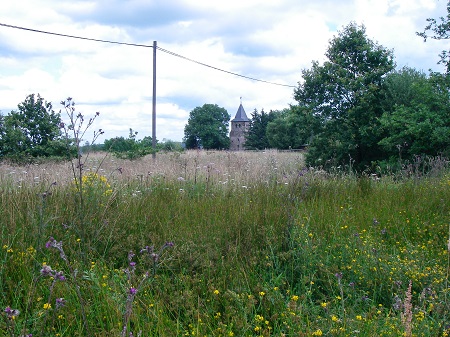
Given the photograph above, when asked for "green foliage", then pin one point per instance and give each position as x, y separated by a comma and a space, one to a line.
207, 128
416, 120
129, 148
256, 136
170, 145
293, 128
441, 31
31, 131
344, 94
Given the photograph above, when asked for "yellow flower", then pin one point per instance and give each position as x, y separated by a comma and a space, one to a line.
294, 298
359, 317
216, 292
318, 332
334, 318
323, 304
259, 318
47, 306
262, 293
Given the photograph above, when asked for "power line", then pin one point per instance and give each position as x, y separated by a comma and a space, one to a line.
222, 70
75, 37
145, 46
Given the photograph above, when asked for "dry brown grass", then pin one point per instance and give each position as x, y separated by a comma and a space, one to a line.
214, 166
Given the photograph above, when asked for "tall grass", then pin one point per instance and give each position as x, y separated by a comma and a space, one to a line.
262, 247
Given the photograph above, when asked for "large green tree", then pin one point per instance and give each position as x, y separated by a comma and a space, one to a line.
344, 93
207, 128
416, 120
33, 130
256, 138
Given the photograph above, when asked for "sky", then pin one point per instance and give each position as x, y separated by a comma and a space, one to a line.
270, 40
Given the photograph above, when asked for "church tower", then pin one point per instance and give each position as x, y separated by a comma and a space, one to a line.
239, 125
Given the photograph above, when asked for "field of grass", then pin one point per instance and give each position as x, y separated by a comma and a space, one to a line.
222, 244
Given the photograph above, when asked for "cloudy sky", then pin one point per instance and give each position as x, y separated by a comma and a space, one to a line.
271, 40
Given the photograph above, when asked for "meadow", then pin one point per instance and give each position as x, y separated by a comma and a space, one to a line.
222, 244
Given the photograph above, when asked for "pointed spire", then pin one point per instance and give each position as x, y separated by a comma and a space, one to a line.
241, 116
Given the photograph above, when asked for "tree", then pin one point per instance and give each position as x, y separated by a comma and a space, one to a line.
256, 138
33, 130
416, 120
344, 94
292, 129
441, 31
207, 128
129, 148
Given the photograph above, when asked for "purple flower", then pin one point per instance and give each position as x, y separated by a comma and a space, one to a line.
155, 257
59, 276
49, 243
168, 244
148, 249
338, 276
132, 291
60, 302
46, 270
10, 313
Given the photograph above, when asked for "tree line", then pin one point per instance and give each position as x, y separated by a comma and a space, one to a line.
355, 109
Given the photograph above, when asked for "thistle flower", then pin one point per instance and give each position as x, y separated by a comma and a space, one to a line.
60, 302
11, 313
46, 270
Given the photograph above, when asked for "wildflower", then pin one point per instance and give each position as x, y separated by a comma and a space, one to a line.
323, 304
294, 298
11, 313
262, 293
216, 292
59, 276
359, 317
334, 318
259, 318
47, 306
46, 270
318, 332
60, 302
132, 291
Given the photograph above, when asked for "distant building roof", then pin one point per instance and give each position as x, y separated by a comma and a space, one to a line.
240, 115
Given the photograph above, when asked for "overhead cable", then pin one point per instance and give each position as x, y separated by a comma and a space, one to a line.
144, 46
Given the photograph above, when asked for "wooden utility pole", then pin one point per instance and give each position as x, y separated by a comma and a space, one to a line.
154, 103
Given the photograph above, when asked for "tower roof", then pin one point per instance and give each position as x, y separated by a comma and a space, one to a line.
240, 115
